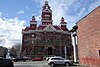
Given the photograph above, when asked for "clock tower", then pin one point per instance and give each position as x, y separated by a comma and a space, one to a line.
46, 14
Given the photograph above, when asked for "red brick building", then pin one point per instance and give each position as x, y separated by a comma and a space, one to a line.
88, 34
46, 38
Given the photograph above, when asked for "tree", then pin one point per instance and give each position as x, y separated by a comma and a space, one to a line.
3, 51
13, 52
18, 49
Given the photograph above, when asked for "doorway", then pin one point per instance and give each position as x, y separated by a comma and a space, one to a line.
49, 50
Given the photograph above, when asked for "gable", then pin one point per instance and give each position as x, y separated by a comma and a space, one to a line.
49, 28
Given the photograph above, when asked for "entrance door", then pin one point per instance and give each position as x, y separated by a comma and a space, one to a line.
49, 50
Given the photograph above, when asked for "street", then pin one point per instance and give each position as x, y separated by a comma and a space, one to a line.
34, 64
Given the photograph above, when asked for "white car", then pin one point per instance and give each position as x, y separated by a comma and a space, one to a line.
58, 61
51, 57
47, 58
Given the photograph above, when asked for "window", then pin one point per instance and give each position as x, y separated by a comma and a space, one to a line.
57, 59
32, 42
99, 53
32, 26
38, 50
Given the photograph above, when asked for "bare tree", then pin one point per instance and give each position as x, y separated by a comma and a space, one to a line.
18, 49
13, 52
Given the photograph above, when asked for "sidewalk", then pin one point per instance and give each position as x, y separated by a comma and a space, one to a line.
78, 65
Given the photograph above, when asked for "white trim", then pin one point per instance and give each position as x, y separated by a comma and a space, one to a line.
47, 15
34, 31
39, 30
25, 32
47, 20
59, 31
66, 32
49, 31
33, 22
42, 25
47, 9
62, 24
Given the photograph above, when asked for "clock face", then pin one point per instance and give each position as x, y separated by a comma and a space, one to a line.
46, 7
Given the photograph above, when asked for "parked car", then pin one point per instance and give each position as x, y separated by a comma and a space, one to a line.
20, 59
6, 62
37, 59
47, 58
59, 61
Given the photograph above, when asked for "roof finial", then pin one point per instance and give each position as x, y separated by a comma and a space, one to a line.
62, 19
46, 2
33, 18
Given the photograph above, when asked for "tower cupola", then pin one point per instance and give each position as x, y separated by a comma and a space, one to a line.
46, 14
33, 18
33, 23
63, 24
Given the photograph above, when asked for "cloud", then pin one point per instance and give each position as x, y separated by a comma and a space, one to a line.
20, 12
10, 31
38, 18
71, 10
60, 8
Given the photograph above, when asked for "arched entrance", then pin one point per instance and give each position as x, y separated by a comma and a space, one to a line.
49, 50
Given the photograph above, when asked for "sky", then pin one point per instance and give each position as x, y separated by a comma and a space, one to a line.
15, 15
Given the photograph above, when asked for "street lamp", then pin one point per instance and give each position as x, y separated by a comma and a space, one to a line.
75, 48
74, 34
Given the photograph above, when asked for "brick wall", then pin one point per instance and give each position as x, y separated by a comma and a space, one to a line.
89, 38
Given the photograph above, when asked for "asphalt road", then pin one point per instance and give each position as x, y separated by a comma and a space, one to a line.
34, 64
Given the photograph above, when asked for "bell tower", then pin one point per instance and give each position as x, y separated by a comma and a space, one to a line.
33, 23
46, 14
63, 24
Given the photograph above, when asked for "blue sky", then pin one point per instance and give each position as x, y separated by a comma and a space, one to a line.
16, 14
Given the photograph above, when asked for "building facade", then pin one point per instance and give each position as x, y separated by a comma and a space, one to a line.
88, 34
46, 39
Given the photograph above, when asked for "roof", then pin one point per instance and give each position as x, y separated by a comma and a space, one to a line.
40, 27
63, 23
46, 27
26, 29
57, 27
